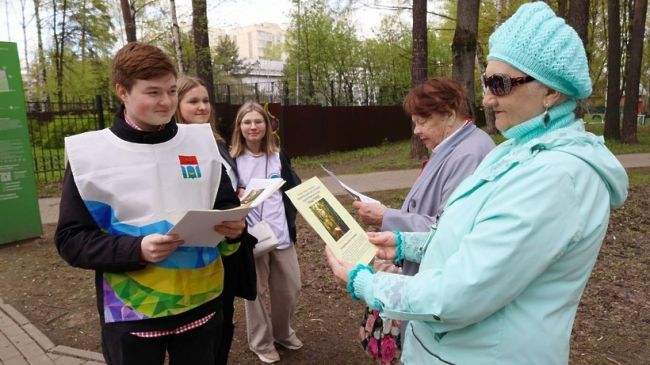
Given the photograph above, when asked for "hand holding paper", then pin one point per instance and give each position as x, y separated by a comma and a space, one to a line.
385, 243
340, 268
231, 229
342, 234
156, 247
370, 213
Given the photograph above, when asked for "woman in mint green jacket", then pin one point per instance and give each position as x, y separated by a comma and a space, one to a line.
502, 274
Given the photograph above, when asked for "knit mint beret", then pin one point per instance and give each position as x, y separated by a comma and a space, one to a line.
540, 44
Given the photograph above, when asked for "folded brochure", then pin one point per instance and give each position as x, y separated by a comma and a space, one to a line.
196, 227
258, 190
332, 222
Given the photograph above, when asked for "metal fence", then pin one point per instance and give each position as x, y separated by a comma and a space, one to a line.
50, 123
304, 129
329, 94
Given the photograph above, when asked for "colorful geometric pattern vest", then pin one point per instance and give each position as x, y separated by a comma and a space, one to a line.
139, 189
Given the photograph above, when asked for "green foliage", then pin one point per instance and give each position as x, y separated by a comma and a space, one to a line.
92, 27
50, 135
387, 62
335, 66
82, 79
322, 49
226, 58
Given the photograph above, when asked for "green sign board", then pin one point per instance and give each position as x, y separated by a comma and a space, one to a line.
19, 213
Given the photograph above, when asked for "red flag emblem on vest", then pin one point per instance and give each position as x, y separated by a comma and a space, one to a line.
188, 160
190, 167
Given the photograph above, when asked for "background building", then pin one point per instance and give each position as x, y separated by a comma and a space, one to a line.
256, 41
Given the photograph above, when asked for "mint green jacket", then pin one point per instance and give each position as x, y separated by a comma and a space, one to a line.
501, 278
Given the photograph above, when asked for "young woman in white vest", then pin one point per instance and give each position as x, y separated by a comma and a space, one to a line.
278, 273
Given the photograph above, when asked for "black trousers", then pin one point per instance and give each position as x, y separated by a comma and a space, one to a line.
197, 346
228, 329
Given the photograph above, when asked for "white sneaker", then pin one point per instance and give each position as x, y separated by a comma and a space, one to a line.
292, 344
268, 357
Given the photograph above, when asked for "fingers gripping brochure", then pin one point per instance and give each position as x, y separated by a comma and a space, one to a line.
196, 227
332, 222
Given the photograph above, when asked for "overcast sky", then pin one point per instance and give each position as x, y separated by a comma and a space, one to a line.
222, 13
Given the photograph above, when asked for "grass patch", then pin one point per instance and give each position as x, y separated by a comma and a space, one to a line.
639, 176
618, 148
387, 156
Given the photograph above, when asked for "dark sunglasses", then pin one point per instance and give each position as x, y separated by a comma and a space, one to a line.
502, 84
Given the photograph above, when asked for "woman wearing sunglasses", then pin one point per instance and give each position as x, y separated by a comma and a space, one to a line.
502, 274
438, 111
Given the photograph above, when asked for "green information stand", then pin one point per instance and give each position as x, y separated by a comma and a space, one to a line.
19, 213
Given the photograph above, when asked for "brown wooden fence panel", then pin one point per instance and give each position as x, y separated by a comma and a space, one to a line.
313, 130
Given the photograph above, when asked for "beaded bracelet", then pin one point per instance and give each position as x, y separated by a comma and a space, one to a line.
353, 275
399, 247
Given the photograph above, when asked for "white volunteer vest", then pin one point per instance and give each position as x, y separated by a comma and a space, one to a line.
139, 189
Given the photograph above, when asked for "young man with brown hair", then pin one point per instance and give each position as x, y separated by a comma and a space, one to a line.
124, 188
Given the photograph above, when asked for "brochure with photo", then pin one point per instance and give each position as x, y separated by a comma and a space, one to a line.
196, 227
332, 222
258, 190
355, 194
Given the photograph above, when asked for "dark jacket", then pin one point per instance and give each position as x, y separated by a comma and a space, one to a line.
292, 180
240, 275
83, 244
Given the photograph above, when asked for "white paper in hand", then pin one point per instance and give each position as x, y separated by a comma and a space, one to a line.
196, 227
355, 194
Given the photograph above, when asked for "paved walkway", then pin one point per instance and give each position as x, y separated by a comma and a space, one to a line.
22, 343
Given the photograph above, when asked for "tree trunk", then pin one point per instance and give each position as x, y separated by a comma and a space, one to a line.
488, 113
612, 115
561, 8
419, 31
419, 64
306, 55
634, 73
23, 24
129, 20
59, 48
579, 20
498, 7
464, 48
42, 69
176, 36
202, 46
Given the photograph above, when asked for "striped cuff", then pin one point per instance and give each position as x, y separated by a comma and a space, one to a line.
360, 282
399, 247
